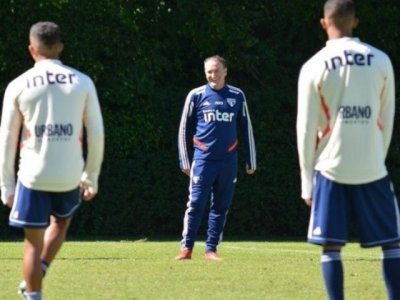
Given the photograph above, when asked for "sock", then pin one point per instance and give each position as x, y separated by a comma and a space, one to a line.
391, 272
332, 271
22, 285
45, 266
33, 295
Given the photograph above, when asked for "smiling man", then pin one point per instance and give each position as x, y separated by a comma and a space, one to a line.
213, 112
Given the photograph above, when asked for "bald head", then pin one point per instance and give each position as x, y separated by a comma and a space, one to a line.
45, 40
217, 58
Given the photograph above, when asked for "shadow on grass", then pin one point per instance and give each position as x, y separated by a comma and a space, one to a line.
169, 238
87, 238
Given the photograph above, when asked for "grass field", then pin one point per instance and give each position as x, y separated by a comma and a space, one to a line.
147, 270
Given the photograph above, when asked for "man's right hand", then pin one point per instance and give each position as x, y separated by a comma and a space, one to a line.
186, 171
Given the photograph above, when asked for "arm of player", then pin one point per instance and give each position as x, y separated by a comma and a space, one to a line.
11, 122
186, 172
387, 111
307, 131
246, 128
184, 134
93, 122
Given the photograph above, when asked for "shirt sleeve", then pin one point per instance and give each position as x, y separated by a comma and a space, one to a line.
11, 122
248, 136
93, 122
307, 130
185, 130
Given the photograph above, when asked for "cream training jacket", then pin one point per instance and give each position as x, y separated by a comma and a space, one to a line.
346, 104
52, 103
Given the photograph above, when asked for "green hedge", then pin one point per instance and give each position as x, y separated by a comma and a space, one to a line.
145, 56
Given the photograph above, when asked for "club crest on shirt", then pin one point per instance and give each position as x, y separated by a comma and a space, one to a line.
231, 101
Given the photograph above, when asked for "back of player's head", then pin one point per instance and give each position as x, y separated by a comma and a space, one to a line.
339, 9
45, 33
218, 58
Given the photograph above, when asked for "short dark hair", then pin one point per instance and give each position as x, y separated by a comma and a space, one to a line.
218, 58
339, 9
46, 33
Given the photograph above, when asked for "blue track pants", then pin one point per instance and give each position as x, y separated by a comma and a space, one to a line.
214, 181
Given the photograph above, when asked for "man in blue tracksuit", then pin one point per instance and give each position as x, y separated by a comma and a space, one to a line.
213, 112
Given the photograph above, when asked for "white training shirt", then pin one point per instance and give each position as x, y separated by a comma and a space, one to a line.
346, 103
52, 103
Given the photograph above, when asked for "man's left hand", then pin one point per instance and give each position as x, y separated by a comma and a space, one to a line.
250, 171
10, 201
308, 202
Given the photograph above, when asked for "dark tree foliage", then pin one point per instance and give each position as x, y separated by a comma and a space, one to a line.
145, 56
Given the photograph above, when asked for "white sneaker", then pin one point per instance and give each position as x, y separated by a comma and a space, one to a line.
22, 288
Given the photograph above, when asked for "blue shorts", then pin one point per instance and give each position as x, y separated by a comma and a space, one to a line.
33, 208
372, 206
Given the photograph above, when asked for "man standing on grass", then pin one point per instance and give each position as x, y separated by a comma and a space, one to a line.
344, 126
52, 103
211, 115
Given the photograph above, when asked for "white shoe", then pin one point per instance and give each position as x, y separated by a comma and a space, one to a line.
22, 288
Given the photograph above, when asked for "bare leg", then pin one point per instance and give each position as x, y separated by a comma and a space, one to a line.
32, 269
54, 237
39, 249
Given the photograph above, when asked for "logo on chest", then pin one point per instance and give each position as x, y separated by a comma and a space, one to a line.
212, 115
231, 101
